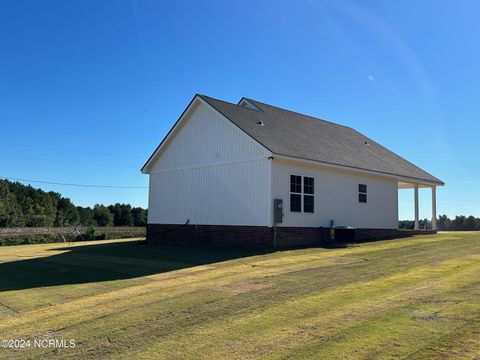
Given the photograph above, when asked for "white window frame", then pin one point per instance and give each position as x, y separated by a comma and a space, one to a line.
295, 193
362, 193
301, 193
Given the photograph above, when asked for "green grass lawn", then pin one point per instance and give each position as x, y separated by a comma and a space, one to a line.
416, 298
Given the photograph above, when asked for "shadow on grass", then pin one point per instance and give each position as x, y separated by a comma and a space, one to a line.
110, 261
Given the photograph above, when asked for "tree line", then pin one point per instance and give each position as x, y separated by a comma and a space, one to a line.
22, 205
444, 223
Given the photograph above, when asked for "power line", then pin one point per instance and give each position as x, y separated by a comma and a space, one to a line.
71, 184
68, 150
67, 161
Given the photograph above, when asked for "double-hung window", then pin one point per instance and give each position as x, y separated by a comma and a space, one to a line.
308, 194
302, 191
295, 193
362, 193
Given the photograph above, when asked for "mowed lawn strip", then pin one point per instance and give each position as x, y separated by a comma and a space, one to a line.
410, 298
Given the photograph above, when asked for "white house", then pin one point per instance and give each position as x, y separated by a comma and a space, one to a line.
226, 173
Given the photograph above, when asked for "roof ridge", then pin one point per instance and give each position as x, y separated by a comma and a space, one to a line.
299, 113
227, 102
276, 107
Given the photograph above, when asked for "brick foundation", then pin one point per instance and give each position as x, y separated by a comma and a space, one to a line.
219, 235
263, 236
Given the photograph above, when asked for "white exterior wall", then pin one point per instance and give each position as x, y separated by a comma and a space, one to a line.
336, 197
210, 173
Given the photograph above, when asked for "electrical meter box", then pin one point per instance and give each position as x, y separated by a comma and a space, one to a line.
277, 211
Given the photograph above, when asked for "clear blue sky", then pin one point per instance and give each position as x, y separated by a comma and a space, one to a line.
88, 88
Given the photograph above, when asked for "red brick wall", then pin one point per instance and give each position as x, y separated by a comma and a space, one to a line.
258, 236
225, 235
298, 236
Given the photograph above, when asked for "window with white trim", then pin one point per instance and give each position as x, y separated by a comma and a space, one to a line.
362, 193
295, 193
302, 191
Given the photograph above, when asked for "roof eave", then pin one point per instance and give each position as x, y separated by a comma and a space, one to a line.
412, 179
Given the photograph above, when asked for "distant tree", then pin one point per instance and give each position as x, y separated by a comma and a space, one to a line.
470, 223
425, 224
443, 223
37, 206
406, 224
139, 216
10, 212
102, 215
67, 213
459, 223
122, 214
85, 215
23, 205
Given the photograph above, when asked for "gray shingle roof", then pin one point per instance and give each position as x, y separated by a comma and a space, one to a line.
301, 136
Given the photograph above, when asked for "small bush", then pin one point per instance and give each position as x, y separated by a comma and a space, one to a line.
29, 239
102, 236
90, 233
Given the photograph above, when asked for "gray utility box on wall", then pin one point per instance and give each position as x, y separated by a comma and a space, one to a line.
277, 211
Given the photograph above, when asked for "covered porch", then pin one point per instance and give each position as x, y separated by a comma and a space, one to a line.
416, 206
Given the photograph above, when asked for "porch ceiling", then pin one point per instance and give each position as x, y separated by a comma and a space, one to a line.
411, 185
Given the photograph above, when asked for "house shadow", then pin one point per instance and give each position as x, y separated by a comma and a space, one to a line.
110, 261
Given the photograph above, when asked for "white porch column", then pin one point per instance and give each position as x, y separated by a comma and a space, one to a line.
434, 208
417, 224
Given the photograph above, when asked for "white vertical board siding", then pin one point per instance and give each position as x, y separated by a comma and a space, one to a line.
220, 195
211, 173
206, 138
336, 197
